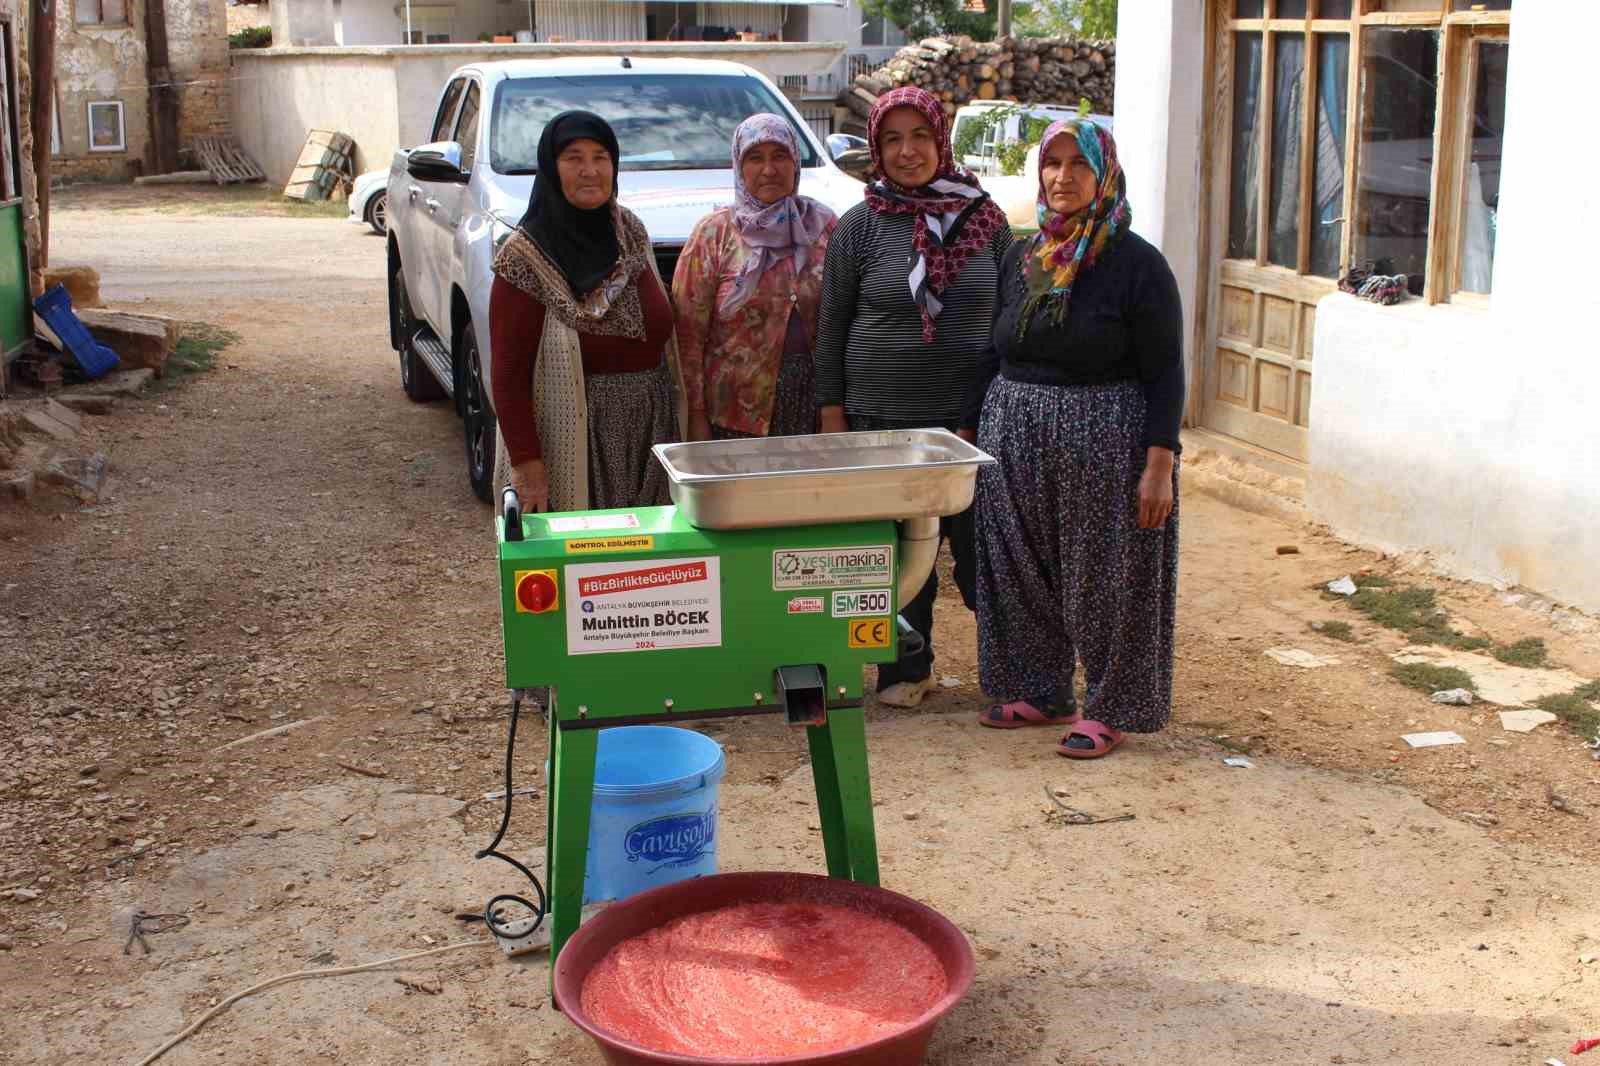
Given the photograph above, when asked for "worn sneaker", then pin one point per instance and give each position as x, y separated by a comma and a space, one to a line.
906, 693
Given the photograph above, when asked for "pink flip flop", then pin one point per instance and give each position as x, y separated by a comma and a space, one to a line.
1104, 737
1019, 714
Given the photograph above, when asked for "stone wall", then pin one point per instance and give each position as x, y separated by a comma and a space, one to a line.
1029, 70
197, 44
110, 63
100, 63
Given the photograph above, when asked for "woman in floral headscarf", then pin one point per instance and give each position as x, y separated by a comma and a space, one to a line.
908, 301
747, 288
1080, 397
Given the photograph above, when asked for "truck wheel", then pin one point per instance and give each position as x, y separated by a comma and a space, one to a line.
477, 420
415, 377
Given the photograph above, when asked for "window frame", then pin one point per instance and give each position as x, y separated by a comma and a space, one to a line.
449, 107
1453, 114
469, 152
100, 20
122, 125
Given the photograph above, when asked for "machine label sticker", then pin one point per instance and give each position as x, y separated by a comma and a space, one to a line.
870, 632
610, 544
854, 603
644, 605
813, 568
806, 605
589, 523
672, 840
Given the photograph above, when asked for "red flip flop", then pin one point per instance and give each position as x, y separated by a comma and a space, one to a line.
1019, 714
1104, 737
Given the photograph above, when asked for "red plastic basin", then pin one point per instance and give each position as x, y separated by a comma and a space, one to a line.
648, 910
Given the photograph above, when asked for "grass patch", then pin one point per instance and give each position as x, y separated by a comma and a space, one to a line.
1529, 652
196, 352
1337, 630
1576, 709
1425, 677
1413, 610
249, 201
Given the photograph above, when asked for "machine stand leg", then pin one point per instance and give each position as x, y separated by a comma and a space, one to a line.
572, 758
844, 795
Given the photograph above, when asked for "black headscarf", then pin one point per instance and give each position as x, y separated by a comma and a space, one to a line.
581, 243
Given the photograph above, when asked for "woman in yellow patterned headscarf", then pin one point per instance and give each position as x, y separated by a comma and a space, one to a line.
1079, 398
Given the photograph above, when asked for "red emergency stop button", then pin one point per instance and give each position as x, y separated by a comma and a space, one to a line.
537, 592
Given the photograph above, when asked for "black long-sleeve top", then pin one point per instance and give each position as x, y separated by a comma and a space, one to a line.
1124, 323
870, 356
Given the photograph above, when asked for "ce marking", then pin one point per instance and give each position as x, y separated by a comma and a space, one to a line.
870, 632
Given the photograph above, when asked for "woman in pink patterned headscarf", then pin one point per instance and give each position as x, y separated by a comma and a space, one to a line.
909, 294
747, 289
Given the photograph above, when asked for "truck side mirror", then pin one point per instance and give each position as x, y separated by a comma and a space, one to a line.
440, 161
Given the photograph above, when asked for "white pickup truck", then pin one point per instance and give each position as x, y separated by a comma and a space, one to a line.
453, 200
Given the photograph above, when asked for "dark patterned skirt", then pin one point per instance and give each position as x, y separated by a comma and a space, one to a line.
627, 414
794, 406
1064, 571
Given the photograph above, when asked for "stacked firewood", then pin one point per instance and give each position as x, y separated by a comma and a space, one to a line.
1030, 70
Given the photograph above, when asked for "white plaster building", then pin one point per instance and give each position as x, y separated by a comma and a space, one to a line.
1270, 144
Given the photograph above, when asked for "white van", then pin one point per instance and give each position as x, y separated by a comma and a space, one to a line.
982, 157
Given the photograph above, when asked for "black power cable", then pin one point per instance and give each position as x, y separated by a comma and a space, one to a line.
489, 918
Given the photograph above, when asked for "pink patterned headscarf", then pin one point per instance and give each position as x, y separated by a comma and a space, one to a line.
955, 218
773, 231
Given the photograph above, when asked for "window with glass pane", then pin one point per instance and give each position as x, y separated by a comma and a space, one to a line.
1327, 180
1246, 144
1482, 5
1249, 9
1480, 206
1399, 75
1333, 9
1290, 9
1283, 204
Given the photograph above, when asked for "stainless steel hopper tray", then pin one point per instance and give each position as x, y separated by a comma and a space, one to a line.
820, 478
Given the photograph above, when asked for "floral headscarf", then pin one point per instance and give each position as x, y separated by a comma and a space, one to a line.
1067, 245
955, 217
772, 231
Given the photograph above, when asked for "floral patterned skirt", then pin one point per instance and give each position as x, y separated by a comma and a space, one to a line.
794, 407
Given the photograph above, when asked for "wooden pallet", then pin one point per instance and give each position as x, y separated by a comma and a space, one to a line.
325, 162
226, 161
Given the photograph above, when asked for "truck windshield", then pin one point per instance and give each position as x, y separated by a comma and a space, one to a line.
663, 121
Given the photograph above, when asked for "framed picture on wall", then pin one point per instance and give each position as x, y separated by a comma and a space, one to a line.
106, 133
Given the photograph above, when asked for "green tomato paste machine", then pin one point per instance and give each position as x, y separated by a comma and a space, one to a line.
775, 578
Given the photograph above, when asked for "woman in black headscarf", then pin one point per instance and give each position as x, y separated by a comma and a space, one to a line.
585, 373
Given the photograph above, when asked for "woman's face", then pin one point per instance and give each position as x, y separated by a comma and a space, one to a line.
584, 167
1069, 181
769, 172
909, 147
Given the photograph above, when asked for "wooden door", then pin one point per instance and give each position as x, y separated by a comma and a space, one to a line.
1281, 85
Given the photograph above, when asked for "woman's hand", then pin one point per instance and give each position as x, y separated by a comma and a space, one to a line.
532, 483
699, 426
1155, 489
968, 435
832, 419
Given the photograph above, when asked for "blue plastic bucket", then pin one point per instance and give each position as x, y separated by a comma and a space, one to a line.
654, 818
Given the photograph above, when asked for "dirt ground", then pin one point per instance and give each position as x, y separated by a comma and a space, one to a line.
287, 539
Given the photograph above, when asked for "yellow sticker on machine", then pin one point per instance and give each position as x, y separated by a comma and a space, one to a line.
870, 632
636, 543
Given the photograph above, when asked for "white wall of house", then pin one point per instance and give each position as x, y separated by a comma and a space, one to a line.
1465, 432
1158, 136
1471, 433
318, 23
